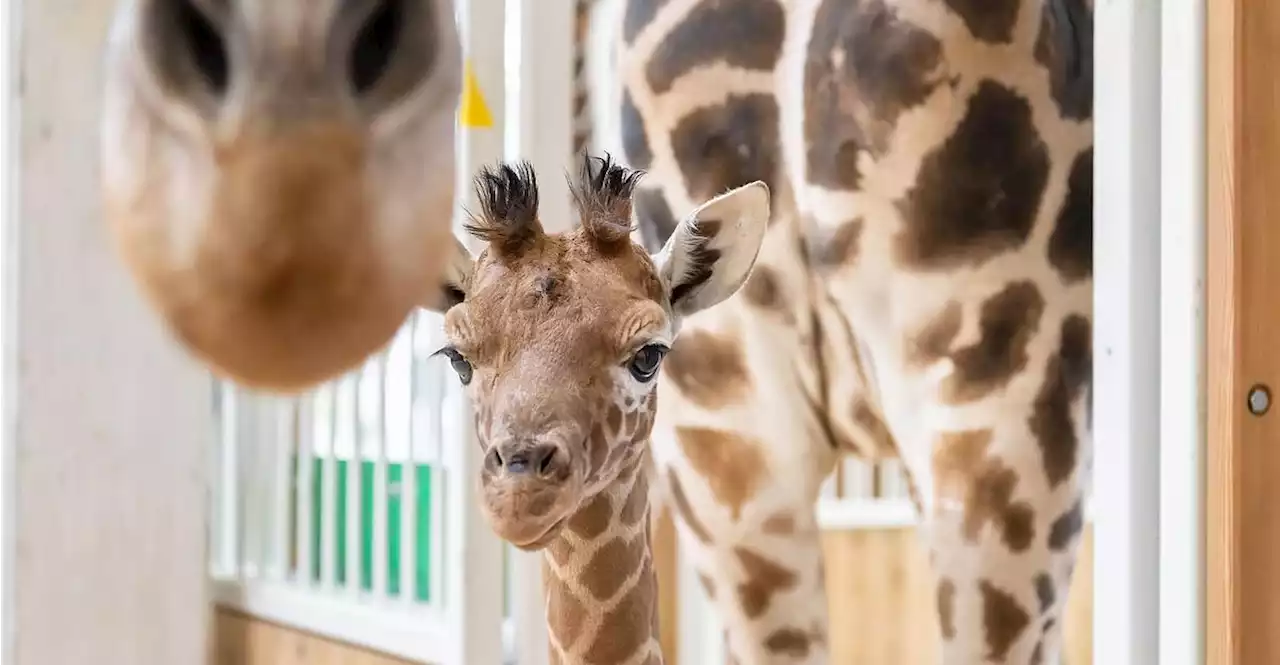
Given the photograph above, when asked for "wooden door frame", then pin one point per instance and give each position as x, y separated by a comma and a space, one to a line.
1242, 578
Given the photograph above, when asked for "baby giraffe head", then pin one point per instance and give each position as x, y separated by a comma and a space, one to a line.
559, 337
279, 174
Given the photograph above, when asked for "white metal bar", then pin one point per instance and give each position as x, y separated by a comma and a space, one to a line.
9, 214
1182, 325
473, 590
304, 480
355, 485
420, 635
328, 495
850, 514
286, 420
437, 382
230, 477
409, 474
379, 550
1127, 337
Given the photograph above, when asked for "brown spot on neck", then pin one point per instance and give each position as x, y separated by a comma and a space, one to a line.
764, 580
709, 369
1053, 423
964, 471
1003, 618
976, 196
732, 464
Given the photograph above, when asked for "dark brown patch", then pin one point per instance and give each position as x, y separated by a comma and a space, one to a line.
832, 248
730, 145
654, 218
873, 426
605, 573
732, 464
684, 509
1064, 47
1064, 530
744, 34
635, 141
566, 617
1066, 375
709, 369
1071, 245
977, 194
763, 290
591, 520
865, 66
1003, 619
617, 637
934, 341
947, 608
1006, 324
1046, 591
791, 642
560, 551
639, 14
764, 579
963, 470
988, 20
779, 524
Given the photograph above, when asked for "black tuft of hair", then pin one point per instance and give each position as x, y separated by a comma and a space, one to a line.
508, 218
603, 195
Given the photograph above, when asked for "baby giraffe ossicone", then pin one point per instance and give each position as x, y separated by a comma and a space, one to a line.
558, 339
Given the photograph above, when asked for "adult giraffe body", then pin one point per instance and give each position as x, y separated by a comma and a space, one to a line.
924, 291
279, 174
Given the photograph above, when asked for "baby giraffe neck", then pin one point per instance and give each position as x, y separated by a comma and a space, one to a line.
602, 591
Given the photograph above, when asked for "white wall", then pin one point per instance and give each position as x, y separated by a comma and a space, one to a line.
106, 423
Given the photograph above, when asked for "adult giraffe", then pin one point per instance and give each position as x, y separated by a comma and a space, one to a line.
279, 174
924, 291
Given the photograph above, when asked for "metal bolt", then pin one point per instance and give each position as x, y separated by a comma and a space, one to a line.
1259, 399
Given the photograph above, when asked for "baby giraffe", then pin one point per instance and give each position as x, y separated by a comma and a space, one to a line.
558, 339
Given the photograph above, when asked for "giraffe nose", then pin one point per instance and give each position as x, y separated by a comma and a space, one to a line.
543, 459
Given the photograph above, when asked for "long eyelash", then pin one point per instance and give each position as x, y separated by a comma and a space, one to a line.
448, 351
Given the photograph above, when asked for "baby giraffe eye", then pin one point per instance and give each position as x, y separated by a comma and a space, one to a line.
459, 364
644, 364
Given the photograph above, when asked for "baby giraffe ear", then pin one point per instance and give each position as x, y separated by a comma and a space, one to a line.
711, 252
453, 287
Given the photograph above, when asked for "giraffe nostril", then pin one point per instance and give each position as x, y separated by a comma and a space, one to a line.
493, 460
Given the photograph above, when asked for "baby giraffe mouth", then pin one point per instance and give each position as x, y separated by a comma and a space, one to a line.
544, 539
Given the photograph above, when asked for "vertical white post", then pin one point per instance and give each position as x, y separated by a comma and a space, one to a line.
355, 481
304, 480
543, 33
108, 424
472, 552
9, 31
403, 350
285, 419
1182, 325
378, 369
329, 488
1126, 383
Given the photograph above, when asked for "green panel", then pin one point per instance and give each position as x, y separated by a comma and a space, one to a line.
422, 574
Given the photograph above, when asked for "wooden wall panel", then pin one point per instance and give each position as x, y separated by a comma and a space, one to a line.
242, 640
1242, 528
881, 594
